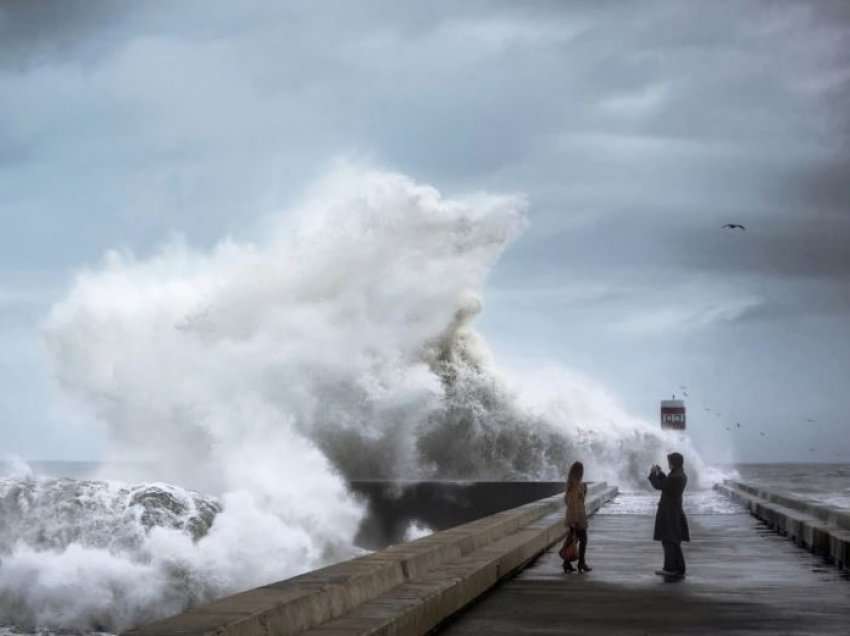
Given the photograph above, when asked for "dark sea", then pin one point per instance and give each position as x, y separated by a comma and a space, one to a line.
824, 483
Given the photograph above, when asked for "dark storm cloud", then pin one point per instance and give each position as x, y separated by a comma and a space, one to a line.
821, 190
787, 246
35, 32
749, 126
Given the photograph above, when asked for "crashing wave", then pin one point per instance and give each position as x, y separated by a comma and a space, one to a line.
52, 514
338, 344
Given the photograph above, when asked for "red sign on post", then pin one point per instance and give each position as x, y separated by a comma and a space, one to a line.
673, 415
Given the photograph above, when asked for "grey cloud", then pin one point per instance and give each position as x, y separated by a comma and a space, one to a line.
37, 32
11, 151
820, 190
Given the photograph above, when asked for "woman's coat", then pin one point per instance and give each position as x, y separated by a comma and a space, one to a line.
576, 515
671, 524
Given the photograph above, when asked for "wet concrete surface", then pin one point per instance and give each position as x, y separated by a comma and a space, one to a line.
742, 579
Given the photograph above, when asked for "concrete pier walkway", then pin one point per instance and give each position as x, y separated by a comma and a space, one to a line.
742, 579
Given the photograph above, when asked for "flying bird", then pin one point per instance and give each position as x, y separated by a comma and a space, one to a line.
738, 424
762, 434
734, 226
728, 429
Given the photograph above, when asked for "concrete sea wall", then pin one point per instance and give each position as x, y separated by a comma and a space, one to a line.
404, 589
821, 529
439, 505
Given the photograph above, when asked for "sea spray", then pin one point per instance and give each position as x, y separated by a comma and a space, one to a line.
337, 344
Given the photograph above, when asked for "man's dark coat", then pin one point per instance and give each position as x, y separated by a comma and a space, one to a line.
671, 524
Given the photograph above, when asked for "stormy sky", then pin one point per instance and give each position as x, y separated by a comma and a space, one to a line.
636, 130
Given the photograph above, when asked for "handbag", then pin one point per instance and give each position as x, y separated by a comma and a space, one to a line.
569, 551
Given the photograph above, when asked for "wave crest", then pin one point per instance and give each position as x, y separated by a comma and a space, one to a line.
337, 344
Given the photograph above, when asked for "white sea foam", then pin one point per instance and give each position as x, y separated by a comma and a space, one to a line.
417, 530
697, 502
338, 344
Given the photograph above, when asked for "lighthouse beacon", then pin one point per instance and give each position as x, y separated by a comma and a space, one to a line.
673, 415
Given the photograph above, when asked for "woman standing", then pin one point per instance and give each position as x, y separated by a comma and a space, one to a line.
576, 516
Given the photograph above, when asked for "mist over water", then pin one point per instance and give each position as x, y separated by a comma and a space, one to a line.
264, 374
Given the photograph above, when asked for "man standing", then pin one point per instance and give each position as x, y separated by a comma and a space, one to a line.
671, 525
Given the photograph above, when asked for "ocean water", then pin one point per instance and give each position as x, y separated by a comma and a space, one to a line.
52, 469
696, 502
825, 483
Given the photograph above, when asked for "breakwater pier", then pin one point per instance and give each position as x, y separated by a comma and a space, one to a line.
501, 575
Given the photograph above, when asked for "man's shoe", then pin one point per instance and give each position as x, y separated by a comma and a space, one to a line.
568, 567
665, 573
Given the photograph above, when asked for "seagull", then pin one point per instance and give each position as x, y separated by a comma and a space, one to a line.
762, 434
728, 429
738, 424
809, 419
734, 226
